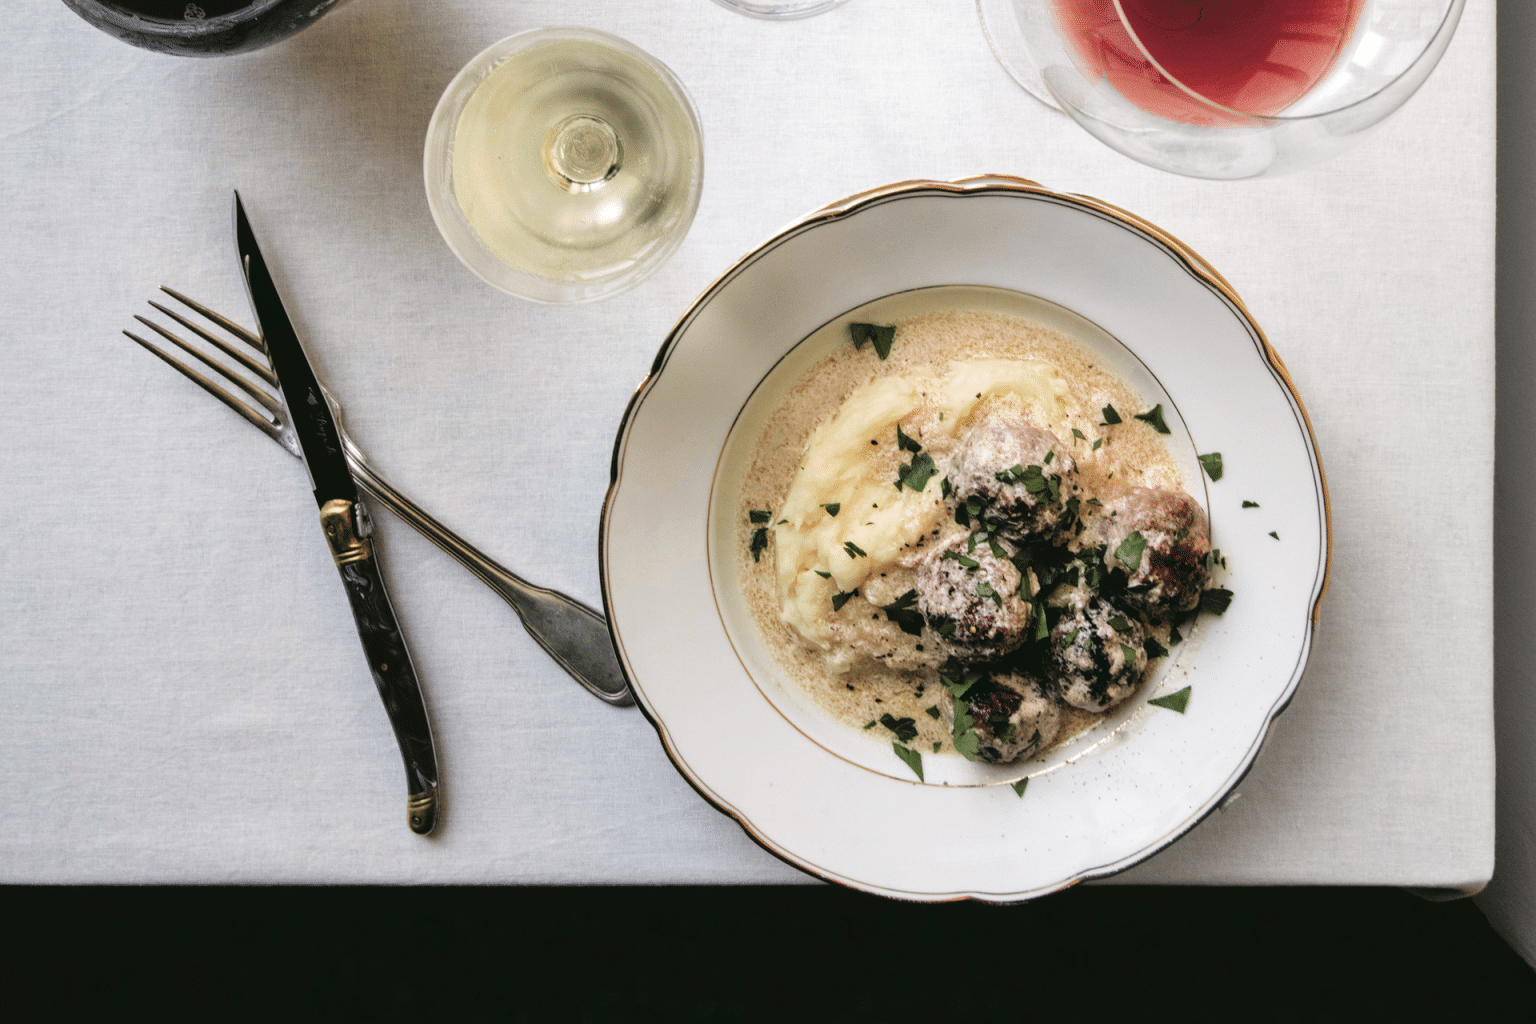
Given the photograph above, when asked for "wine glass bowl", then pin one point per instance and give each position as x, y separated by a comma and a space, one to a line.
563, 165
1222, 88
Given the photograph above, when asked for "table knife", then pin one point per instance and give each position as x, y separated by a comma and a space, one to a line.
345, 524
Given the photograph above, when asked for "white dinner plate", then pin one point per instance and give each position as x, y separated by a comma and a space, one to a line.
835, 802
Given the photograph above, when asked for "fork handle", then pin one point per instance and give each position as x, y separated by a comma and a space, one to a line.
388, 661
571, 633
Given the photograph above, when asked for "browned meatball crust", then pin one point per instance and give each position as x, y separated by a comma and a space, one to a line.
970, 599
1021, 473
1097, 655
1171, 572
1012, 715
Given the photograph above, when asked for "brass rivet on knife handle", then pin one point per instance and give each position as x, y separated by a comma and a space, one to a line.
421, 811
336, 522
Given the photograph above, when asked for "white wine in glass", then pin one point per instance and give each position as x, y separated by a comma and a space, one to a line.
564, 165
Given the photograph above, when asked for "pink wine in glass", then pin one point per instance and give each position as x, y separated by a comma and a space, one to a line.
1253, 57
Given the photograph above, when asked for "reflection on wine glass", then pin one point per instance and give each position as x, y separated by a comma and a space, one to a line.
564, 165
1222, 88
780, 8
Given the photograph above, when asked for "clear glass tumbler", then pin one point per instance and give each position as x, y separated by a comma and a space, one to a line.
1222, 88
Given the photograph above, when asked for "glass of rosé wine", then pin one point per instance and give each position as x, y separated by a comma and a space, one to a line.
1222, 88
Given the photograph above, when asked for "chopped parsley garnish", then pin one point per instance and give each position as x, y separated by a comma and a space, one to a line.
955, 556
1095, 502
1110, 416
1098, 443
905, 443
936, 747
903, 611
759, 542
839, 599
1020, 786
998, 552
1049, 455
854, 551
967, 743
1250, 504
911, 758
1078, 435
904, 728
984, 590
1216, 600
959, 681
1131, 549
1042, 628
1174, 701
1120, 624
1273, 534
1067, 640
881, 337
1129, 652
917, 473
945, 490
823, 575
759, 517
1174, 636
870, 724
833, 508
1212, 464
1155, 649
1155, 419
1012, 474
932, 712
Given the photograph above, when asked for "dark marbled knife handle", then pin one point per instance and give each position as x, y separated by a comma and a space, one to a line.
388, 659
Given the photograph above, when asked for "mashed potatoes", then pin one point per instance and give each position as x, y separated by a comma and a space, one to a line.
852, 514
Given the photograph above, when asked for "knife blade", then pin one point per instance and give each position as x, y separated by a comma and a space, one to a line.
345, 524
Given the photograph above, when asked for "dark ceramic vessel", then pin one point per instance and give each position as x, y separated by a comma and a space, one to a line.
206, 28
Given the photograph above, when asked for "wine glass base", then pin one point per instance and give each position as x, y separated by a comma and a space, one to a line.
780, 10
1001, 28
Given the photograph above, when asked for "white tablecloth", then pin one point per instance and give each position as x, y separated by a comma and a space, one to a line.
185, 698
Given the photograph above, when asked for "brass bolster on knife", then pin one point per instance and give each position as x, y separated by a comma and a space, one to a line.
336, 521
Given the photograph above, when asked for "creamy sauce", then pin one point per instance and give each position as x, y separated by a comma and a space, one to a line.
944, 370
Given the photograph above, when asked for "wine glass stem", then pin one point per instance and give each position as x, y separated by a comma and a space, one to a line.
582, 153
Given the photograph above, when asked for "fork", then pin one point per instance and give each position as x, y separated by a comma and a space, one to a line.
573, 634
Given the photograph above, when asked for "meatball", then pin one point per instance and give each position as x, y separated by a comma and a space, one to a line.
1167, 570
971, 600
1097, 655
1022, 473
1012, 715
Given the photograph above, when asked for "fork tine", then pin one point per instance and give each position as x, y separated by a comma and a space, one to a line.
249, 337
265, 425
263, 399
223, 346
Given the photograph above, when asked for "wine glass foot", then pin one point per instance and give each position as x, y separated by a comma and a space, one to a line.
780, 10
1001, 28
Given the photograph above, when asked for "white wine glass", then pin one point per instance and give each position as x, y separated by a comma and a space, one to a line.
564, 165
1222, 88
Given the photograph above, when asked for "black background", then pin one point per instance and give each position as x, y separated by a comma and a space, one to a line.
768, 953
